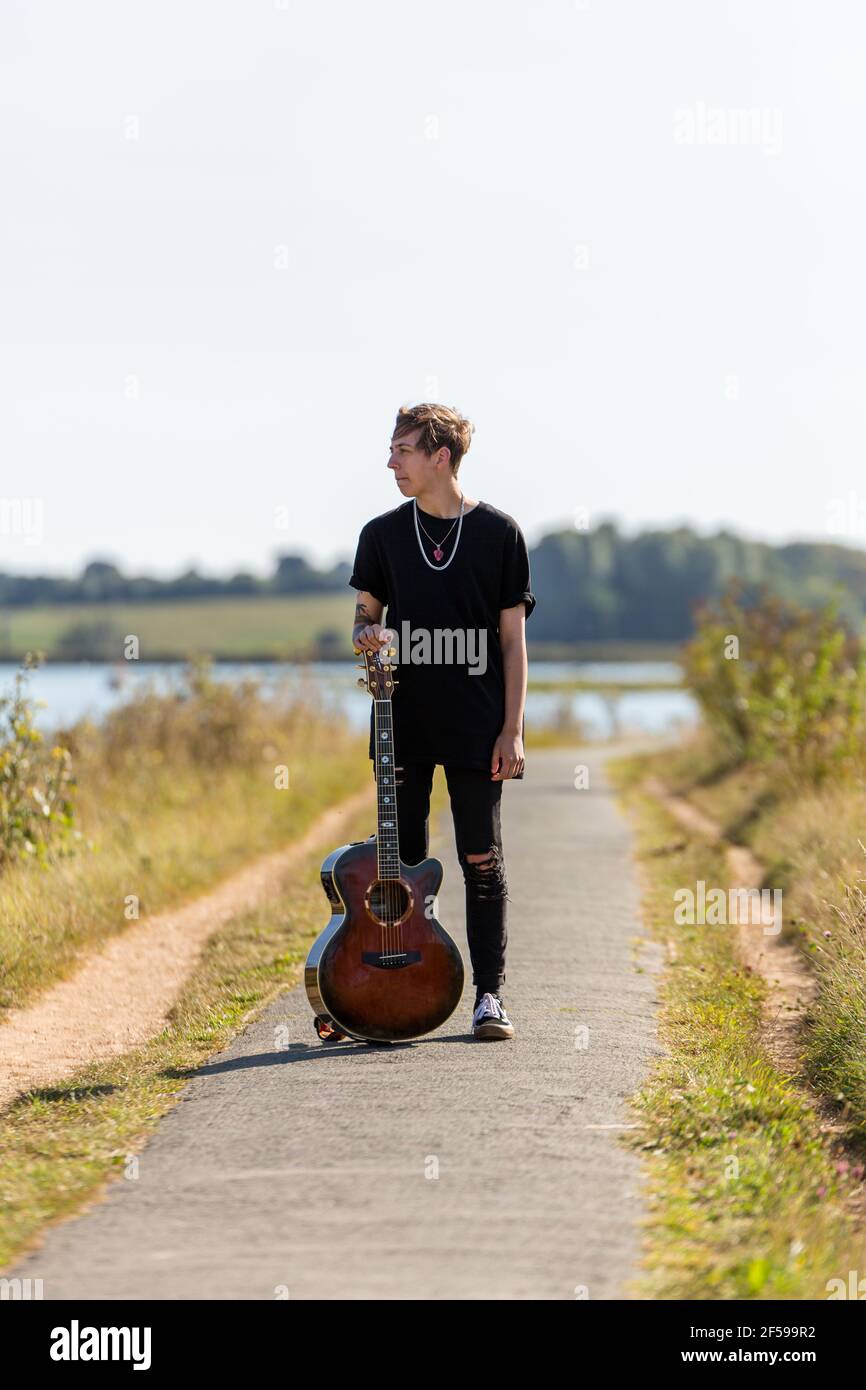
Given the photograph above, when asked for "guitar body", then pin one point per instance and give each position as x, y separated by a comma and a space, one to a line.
384, 969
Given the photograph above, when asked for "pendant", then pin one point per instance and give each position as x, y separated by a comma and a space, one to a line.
437, 553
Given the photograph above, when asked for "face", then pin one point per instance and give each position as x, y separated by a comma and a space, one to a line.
412, 468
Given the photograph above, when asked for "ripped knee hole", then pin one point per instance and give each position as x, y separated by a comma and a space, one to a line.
485, 873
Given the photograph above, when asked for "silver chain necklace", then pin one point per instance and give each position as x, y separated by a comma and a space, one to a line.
438, 552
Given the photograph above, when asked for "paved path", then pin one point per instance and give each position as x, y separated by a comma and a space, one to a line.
307, 1167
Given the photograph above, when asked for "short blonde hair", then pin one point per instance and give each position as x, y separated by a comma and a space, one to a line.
441, 428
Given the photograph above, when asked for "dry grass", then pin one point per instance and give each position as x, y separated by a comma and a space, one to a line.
173, 794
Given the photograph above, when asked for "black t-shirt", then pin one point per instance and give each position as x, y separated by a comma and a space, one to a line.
449, 707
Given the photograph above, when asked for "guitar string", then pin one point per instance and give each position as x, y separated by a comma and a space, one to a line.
378, 802
398, 894
398, 926
385, 891
389, 782
392, 928
384, 883
396, 929
392, 889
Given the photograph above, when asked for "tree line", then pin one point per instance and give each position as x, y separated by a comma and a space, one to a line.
592, 585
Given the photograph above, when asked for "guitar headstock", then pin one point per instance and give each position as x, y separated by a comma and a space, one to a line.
379, 678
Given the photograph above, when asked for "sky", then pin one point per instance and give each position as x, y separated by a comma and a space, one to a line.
625, 239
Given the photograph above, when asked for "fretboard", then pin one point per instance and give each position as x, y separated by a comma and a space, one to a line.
388, 845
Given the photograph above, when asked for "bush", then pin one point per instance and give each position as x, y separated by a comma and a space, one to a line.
36, 782
203, 723
795, 691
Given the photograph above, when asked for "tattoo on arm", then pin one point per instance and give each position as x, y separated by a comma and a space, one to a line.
362, 616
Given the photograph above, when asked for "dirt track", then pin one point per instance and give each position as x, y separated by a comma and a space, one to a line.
122, 994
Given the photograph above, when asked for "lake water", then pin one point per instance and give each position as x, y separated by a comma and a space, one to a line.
70, 691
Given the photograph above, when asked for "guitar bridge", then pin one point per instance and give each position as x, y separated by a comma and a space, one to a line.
390, 960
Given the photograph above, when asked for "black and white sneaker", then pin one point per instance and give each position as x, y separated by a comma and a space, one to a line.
490, 1019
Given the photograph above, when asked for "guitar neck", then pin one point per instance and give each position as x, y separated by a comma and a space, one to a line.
387, 842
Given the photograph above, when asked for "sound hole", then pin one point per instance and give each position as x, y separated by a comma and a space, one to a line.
388, 901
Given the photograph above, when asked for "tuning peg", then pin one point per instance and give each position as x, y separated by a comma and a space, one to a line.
392, 651
361, 680
357, 651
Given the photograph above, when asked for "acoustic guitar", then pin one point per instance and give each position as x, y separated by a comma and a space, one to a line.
384, 969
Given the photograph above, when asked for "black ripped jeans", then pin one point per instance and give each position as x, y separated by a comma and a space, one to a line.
475, 809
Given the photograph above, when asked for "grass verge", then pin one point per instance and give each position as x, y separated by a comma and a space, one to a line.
747, 1198
812, 842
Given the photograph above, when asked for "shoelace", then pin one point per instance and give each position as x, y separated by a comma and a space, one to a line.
493, 1005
